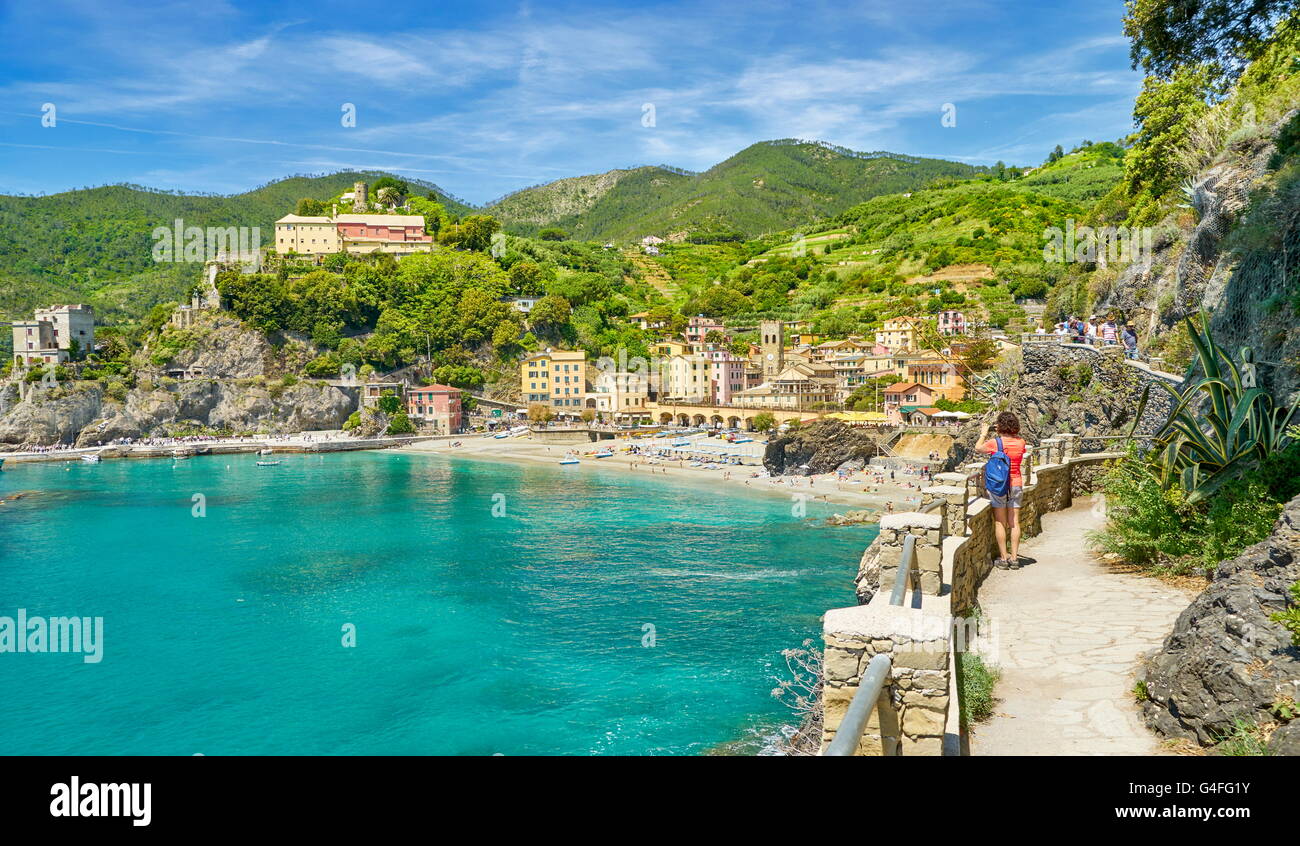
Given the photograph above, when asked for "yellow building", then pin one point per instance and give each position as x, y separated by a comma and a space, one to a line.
556, 378
899, 333
941, 377
295, 233
667, 349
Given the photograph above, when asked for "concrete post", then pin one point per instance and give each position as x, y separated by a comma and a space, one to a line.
930, 530
910, 716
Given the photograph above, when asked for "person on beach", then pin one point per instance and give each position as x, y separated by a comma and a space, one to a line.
1006, 509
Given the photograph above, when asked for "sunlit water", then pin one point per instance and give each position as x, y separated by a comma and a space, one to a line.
475, 634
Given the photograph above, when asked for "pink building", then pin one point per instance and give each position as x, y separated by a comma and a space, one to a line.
952, 323
726, 375
438, 405
384, 228
699, 326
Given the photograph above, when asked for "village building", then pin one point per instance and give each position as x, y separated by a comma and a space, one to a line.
951, 323
436, 406
557, 379
54, 335
621, 395
899, 333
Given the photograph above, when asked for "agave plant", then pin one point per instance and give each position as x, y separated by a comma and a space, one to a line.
1221, 424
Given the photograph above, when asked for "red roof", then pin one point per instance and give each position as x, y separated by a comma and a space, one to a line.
443, 389
903, 387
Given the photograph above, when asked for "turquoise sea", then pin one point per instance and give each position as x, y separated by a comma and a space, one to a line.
475, 634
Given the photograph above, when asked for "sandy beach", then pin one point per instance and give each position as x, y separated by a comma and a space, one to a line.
869, 490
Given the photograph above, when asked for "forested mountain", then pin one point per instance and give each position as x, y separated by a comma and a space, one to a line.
95, 245
766, 187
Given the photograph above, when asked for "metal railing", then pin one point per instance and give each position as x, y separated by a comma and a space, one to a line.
849, 733
903, 578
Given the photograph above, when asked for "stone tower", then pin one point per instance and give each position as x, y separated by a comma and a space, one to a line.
771, 340
360, 202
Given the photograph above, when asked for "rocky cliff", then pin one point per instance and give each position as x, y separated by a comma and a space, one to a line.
238, 393
1225, 252
820, 447
1225, 658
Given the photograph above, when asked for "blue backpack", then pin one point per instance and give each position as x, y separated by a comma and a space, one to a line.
997, 472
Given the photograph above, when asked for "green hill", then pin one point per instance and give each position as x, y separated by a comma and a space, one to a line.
767, 187
95, 245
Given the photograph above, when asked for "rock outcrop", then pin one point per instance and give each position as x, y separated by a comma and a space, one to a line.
1225, 658
51, 415
239, 391
820, 447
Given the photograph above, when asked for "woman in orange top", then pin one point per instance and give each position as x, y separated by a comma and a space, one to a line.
1006, 509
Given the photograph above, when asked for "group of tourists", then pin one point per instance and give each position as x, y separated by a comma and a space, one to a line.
1095, 332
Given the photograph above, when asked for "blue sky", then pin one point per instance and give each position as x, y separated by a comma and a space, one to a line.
483, 98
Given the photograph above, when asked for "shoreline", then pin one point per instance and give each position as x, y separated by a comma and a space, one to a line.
736, 479
233, 446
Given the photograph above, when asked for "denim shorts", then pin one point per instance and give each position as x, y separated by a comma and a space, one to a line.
1012, 499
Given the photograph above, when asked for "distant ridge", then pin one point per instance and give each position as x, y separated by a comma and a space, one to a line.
768, 186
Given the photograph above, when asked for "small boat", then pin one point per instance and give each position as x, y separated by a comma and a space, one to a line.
680, 443
93, 458
604, 453
569, 460
266, 451
743, 441
268, 464
181, 455
502, 435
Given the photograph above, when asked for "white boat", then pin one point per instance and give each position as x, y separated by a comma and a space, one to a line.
681, 443
604, 453
266, 451
502, 435
92, 458
268, 464
743, 441
569, 461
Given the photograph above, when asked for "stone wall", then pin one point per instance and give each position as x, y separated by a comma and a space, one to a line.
912, 714
1051, 396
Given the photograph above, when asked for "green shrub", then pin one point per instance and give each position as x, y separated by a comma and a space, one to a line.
328, 364
353, 421
976, 680
1244, 739
400, 424
1160, 529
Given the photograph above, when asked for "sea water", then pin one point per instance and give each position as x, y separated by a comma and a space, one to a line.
389, 603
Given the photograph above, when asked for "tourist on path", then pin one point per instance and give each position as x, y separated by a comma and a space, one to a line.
1006, 509
1130, 343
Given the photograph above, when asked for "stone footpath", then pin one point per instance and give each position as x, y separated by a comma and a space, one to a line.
1067, 636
